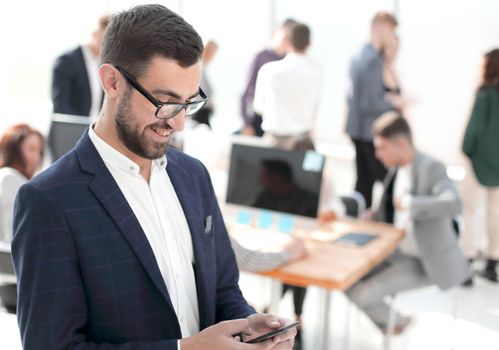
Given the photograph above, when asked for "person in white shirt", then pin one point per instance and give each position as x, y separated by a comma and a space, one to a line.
287, 94
420, 199
21, 154
76, 87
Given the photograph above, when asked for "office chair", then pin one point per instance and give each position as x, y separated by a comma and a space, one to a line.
8, 292
355, 204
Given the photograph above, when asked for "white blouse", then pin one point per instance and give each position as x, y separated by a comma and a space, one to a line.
10, 182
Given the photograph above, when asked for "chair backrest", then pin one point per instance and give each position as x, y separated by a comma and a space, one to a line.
355, 204
6, 266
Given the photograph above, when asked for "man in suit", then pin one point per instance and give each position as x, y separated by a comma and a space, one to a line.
121, 243
422, 200
367, 101
75, 80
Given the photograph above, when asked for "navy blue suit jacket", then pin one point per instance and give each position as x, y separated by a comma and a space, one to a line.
70, 84
87, 276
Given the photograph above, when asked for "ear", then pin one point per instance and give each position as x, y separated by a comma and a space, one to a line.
110, 80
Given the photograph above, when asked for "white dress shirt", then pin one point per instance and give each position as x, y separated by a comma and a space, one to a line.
287, 95
158, 210
92, 64
402, 216
10, 181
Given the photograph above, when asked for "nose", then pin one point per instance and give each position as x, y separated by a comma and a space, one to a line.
177, 123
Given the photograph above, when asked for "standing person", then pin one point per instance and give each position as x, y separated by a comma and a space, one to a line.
287, 94
279, 48
121, 243
21, 154
75, 80
481, 143
367, 101
391, 82
203, 116
420, 199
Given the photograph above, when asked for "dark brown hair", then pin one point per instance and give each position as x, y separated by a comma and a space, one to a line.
136, 36
10, 147
386, 17
491, 69
390, 125
299, 36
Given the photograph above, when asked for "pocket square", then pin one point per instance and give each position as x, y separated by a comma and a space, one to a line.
208, 225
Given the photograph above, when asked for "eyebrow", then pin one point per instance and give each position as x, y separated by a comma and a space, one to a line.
172, 94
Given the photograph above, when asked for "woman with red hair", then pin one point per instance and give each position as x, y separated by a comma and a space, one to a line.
21, 154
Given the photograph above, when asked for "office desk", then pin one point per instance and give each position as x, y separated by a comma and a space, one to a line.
331, 266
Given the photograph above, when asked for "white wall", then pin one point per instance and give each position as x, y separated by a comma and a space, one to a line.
442, 43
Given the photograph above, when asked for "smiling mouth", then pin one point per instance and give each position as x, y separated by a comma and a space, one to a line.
163, 132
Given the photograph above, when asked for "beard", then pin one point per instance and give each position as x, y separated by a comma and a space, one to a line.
133, 137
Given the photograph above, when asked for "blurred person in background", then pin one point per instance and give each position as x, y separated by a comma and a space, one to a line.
391, 80
279, 48
204, 115
481, 146
368, 99
420, 199
21, 154
287, 94
75, 80
256, 261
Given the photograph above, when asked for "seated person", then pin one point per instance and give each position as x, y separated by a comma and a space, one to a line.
421, 199
21, 154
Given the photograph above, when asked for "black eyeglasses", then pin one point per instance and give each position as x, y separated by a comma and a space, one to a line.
166, 110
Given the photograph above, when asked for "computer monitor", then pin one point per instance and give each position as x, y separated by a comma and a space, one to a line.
275, 179
65, 131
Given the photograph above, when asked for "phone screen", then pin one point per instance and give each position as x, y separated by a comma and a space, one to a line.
273, 333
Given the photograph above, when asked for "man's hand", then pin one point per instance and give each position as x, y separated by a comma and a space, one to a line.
263, 323
217, 337
224, 335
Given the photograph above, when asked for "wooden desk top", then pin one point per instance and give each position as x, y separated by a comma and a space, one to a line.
335, 265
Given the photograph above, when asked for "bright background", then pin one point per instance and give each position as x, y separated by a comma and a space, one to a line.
442, 43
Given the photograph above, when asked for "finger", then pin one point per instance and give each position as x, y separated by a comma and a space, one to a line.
264, 345
288, 335
287, 345
272, 321
233, 326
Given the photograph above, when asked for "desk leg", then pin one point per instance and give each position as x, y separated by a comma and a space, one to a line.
325, 311
275, 296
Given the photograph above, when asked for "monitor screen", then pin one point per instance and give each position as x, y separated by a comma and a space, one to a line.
275, 179
65, 131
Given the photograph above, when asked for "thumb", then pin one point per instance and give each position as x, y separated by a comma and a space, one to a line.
233, 326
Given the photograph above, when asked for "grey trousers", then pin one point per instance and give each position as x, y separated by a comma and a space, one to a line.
398, 273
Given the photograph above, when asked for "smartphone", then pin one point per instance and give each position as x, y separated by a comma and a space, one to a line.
273, 333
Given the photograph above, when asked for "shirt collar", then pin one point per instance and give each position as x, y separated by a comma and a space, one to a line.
116, 159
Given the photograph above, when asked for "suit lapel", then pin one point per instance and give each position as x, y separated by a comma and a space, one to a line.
107, 192
414, 170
